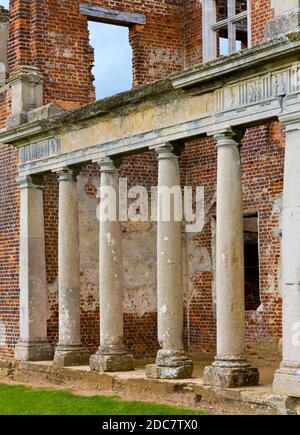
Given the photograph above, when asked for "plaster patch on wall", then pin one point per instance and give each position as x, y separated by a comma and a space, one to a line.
53, 287
199, 260
277, 209
139, 266
89, 243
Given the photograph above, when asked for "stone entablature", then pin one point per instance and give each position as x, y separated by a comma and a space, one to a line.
39, 150
238, 91
259, 89
242, 89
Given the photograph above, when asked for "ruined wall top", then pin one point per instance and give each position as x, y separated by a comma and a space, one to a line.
4, 14
166, 36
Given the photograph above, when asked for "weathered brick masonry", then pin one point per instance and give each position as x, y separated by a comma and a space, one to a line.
53, 36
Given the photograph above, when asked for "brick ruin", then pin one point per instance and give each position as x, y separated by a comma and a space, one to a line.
50, 39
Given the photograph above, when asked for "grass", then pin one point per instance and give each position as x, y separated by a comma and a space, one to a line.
19, 400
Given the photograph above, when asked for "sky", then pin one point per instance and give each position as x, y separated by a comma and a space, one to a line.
113, 57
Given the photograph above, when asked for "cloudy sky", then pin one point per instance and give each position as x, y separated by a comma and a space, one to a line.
112, 57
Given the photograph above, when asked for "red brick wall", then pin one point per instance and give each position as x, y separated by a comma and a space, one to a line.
261, 13
262, 157
193, 32
198, 168
140, 332
19, 44
9, 233
262, 166
52, 36
4, 91
9, 252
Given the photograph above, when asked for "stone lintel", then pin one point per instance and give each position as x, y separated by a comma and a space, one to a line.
111, 16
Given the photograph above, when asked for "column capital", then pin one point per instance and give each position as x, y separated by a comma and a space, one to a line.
165, 151
107, 165
291, 120
67, 173
228, 136
29, 181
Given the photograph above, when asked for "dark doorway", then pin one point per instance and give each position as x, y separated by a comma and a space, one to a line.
251, 252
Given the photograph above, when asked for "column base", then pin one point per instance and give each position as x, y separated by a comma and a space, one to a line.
231, 373
110, 359
287, 380
170, 365
69, 356
33, 351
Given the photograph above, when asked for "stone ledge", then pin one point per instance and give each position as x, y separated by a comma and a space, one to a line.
135, 386
111, 362
231, 377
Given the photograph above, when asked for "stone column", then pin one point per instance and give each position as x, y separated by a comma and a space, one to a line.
230, 368
171, 361
33, 344
112, 355
287, 378
69, 351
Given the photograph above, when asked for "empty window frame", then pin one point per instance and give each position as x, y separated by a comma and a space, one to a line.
112, 67
109, 37
226, 27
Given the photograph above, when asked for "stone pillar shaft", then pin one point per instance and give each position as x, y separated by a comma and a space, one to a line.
111, 280
230, 252
287, 378
171, 361
111, 355
230, 368
169, 260
69, 351
33, 344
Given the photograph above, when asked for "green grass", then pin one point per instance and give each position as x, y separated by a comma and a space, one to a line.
19, 400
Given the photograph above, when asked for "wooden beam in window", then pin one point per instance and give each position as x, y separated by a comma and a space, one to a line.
111, 16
